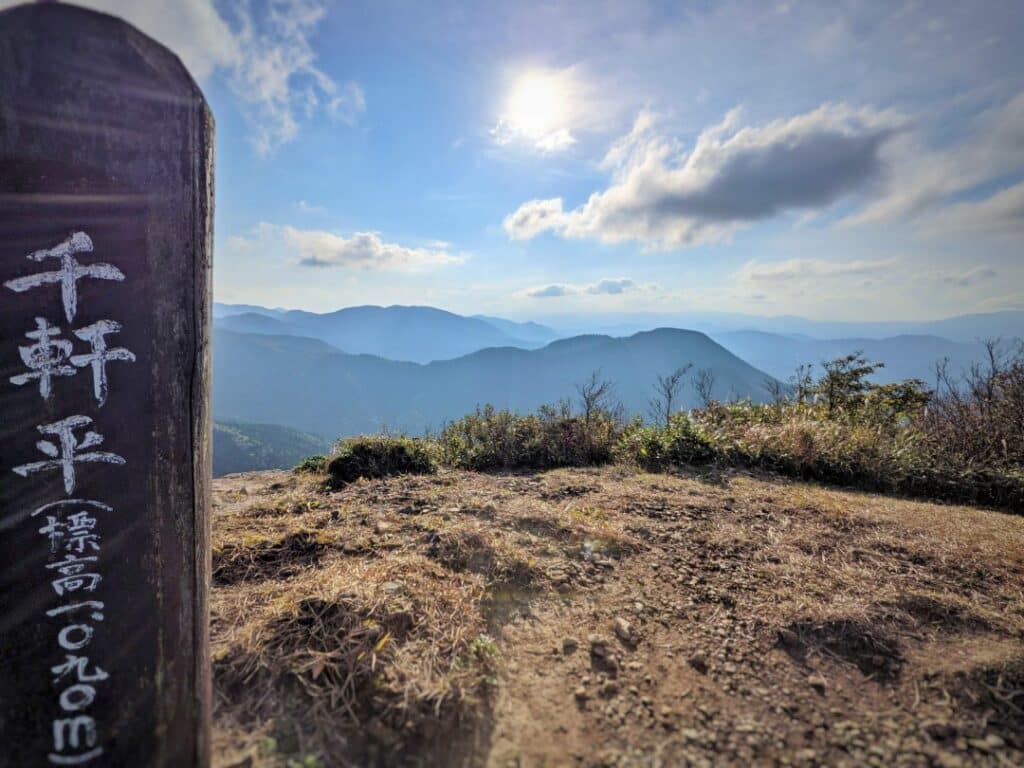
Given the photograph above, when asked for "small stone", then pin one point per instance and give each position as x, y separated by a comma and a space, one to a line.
381, 527
817, 682
569, 645
581, 694
623, 630
391, 587
699, 662
609, 689
598, 645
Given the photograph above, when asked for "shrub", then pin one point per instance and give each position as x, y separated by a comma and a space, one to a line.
889, 456
979, 421
552, 437
311, 465
372, 456
657, 448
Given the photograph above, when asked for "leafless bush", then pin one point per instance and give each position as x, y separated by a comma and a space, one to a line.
704, 385
667, 392
979, 417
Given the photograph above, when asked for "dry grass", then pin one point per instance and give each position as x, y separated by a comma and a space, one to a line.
420, 620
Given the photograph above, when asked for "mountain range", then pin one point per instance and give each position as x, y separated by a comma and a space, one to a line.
426, 334
415, 334
307, 384
1006, 324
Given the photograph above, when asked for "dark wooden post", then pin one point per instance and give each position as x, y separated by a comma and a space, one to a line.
106, 152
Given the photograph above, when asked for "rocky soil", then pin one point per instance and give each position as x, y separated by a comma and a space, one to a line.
604, 617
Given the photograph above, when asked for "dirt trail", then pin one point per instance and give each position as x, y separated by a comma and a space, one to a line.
637, 620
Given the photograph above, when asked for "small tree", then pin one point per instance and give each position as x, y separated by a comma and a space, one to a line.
803, 382
667, 391
704, 385
901, 399
845, 381
595, 394
776, 391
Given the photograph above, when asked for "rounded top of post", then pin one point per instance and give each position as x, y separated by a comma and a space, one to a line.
105, 39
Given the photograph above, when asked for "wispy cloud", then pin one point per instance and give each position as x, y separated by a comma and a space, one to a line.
802, 269
964, 278
309, 208
1008, 301
664, 196
266, 57
924, 180
1000, 215
365, 251
275, 73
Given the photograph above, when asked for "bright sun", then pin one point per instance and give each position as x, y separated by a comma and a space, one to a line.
537, 105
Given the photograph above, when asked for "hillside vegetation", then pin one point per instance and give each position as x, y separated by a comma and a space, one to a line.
246, 447
963, 441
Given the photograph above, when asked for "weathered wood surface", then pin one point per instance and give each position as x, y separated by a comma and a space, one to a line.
106, 141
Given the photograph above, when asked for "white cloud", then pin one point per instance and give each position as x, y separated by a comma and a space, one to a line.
365, 251
556, 141
549, 291
609, 286
663, 196
267, 58
534, 217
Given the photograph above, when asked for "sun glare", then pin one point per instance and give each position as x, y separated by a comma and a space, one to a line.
537, 106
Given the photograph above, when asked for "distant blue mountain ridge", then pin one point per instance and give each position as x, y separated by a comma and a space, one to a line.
425, 334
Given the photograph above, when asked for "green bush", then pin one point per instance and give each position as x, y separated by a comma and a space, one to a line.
372, 456
311, 465
657, 448
552, 437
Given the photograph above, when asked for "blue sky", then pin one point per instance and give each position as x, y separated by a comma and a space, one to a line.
833, 160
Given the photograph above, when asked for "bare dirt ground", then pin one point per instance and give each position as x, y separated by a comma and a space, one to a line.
604, 617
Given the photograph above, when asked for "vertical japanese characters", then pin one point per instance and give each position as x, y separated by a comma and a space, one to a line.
70, 523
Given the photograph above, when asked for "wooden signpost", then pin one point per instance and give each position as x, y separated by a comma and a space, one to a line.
106, 151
